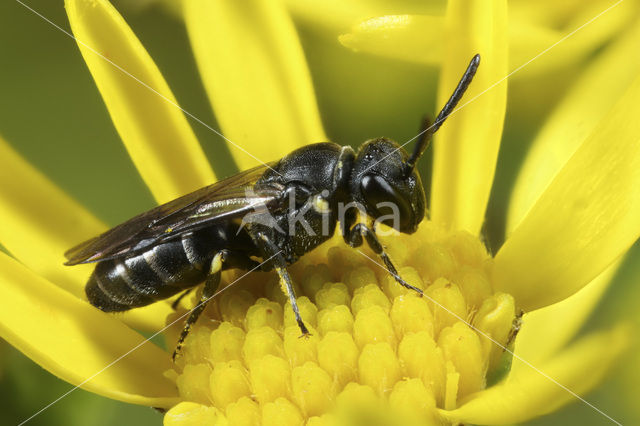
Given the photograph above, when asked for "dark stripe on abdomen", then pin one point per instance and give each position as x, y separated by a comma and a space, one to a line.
122, 284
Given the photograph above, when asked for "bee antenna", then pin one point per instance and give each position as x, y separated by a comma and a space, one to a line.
428, 130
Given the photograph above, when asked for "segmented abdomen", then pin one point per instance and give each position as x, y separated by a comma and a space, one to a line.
161, 272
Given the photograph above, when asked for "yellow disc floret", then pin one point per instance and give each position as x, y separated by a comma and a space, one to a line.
378, 353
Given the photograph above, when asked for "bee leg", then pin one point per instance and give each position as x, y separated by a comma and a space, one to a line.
176, 302
355, 239
210, 287
280, 265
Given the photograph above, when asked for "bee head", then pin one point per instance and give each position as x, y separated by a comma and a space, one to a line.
379, 182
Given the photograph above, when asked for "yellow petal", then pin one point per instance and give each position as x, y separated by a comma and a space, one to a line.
193, 414
534, 393
588, 100
144, 111
587, 217
575, 29
545, 331
421, 38
466, 147
42, 222
78, 343
408, 37
338, 16
255, 74
557, 15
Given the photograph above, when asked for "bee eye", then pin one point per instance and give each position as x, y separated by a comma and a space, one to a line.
377, 193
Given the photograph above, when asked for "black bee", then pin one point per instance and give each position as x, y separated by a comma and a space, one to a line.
268, 216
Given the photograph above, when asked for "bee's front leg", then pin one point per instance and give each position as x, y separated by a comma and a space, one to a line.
355, 236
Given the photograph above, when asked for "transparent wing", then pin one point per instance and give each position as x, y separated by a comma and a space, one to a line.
229, 198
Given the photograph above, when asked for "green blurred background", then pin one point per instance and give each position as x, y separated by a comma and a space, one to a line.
52, 113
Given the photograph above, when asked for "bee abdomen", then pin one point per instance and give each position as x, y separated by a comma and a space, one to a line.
166, 269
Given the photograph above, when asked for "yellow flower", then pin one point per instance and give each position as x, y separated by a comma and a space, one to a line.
377, 353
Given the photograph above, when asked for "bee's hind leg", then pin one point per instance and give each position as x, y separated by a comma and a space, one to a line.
210, 287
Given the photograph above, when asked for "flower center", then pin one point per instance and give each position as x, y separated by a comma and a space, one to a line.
374, 343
